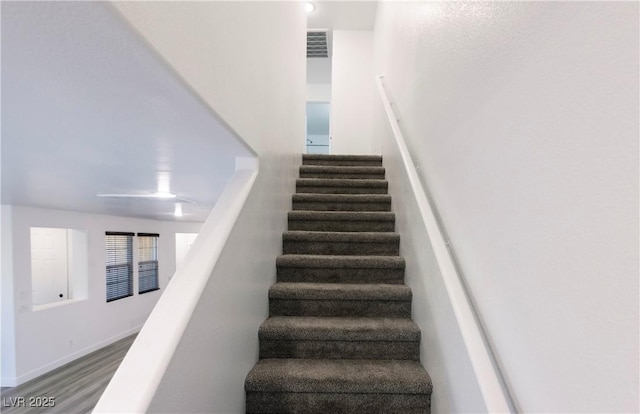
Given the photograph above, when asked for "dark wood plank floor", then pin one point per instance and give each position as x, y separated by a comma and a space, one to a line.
74, 387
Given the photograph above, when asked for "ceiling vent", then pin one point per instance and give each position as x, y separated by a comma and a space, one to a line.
317, 46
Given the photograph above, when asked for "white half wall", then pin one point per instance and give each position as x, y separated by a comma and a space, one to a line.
48, 338
523, 120
352, 92
247, 61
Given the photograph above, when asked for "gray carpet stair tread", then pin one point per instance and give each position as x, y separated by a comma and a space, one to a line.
340, 337
341, 182
339, 291
314, 328
354, 262
342, 198
339, 376
341, 169
342, 216
341, 237
340, 157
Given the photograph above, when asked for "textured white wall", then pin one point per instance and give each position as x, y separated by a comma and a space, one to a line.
247, 61
523, 120
352, 92
42, 338
442, 350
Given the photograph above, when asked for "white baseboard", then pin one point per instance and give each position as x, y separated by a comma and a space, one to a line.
15, 381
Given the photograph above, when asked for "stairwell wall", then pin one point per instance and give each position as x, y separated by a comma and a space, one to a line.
352, 92
442, 349
247, 62
522, 118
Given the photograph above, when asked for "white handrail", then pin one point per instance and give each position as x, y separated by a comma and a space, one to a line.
496, 396
135, 382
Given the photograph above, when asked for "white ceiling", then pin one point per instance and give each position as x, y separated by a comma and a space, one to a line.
88, 108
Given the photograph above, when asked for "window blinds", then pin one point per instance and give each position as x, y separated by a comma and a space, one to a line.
147, 262
119, 265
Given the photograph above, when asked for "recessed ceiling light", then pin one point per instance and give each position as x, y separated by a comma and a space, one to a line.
309, 7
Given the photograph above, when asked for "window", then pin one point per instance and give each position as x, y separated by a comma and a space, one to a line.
119, 262
147, 262
58, 266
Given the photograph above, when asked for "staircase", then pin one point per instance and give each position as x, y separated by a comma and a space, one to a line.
339, 338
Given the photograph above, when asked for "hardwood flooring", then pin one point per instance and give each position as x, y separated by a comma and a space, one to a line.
73, 388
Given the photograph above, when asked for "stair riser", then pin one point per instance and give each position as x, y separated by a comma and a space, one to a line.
336, 206
322, 403
374, 176
341, 248
339, 190
343, 163
338, 308
338, 275
326, 225
273, 348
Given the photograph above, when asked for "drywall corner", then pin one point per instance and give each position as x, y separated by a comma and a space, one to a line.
8, 344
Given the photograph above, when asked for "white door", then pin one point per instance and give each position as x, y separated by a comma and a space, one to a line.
49, 265
318, 128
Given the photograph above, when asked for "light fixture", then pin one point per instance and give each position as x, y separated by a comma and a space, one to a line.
178, 210
157, 195
309, 7
163, 195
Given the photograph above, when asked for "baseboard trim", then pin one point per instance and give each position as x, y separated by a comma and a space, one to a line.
15, 381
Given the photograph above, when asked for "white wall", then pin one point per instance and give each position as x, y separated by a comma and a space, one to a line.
318, 92
352, 92
247, 61
319, 79
442, 350
48, 338
183, 244
7, 308
523, 120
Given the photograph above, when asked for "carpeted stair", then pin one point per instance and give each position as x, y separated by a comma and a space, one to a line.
339, 338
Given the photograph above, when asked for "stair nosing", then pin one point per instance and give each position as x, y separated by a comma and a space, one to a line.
341, 261
340, 291
341, 236
362, 376
343, 169
320, 215
346, 198
341, 157
331, 328
342, 182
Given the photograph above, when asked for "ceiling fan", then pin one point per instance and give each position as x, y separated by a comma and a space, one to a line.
160, 196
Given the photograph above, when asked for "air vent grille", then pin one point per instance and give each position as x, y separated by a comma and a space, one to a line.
317, 44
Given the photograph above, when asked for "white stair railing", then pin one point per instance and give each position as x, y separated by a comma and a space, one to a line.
496, 395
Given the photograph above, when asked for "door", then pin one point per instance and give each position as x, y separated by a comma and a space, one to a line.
318, 128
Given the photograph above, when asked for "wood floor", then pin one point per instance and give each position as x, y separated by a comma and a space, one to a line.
74, 387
